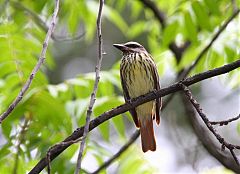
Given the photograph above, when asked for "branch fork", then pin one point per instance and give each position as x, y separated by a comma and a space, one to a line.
198, 108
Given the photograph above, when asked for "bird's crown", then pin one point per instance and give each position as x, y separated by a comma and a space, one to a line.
133, 44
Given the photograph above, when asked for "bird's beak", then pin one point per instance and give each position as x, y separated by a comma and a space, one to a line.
120, 47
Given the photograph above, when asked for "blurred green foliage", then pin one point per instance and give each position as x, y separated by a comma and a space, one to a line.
54, 111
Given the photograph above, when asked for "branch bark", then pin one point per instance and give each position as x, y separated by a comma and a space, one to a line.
37, 66
135, 102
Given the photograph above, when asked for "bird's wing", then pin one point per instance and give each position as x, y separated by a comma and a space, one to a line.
157, 87
127, 99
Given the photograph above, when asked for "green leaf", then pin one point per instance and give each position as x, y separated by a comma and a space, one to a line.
120, 4
104, 130
136, 29
169, 33
213, 6
190, 27
6, 68
137, 8
4, 151
134, 163
214, 59
113, 16
20, 18
48, 109
104, 104
38, 7
201, 15
74, 18
189, 57
77, 109
119, 125
202, 65
231, 54
12, 80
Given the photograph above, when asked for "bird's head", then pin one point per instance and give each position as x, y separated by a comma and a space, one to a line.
130, 47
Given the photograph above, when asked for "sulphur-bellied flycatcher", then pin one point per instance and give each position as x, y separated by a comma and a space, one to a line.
139, 76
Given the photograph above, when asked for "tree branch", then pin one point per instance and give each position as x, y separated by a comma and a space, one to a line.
198, 108
36, 68
135, 102
225, 122
93, 95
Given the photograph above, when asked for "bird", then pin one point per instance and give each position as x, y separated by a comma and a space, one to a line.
139, 76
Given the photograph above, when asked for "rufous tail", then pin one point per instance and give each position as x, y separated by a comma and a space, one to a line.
147, 134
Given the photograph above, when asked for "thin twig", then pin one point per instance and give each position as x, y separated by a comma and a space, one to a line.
198, 108
133, 138
93, 95
136, 102
36, 68
225, 122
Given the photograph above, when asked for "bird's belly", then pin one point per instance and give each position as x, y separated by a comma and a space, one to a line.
140, 83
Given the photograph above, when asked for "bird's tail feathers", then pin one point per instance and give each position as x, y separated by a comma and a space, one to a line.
147, 134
